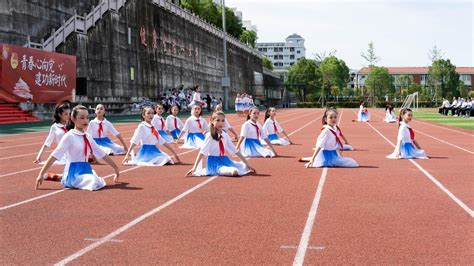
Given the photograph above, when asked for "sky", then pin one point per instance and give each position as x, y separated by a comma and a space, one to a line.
403, 31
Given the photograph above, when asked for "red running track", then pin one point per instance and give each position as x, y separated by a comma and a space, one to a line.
386, 211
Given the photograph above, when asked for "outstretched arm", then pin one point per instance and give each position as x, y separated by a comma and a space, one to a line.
38, 157
46, 166
316, 151
122, 141
271, 146
198, 159
172, 151
127, 156
286, 135
242, 158
111, 162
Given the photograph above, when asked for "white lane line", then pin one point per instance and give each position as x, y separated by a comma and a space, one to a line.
19, 172
440, 140
17, 156
445, 128
296, 247
433, 179
143, 217
97, 239
110, 175
303, 246
131, 224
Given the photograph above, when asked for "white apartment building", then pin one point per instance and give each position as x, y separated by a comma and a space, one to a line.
283, 54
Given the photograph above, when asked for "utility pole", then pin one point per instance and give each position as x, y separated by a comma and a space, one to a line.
225, 79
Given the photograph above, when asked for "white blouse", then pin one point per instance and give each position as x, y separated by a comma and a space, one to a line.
196, 96
143, 135
56, 133
72, 144
249, 131
269, 129
361, 108
326, 139
211, 146
159, 123
192, 126
93, 128
404, 133
169, 123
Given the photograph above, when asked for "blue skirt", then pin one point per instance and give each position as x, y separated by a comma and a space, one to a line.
275, 140
330, 158
175, 133
253, 148
193, 141
409, 151
81, 176
214, 163
109, 146
167, 137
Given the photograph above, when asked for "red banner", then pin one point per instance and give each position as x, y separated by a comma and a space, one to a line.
35, 75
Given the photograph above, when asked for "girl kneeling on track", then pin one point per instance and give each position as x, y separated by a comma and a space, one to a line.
98, 129
407, 147
174, 123
216, 144
78, 145
194, 127
159, 123
148, 137
250, 135
326, 153
271, 128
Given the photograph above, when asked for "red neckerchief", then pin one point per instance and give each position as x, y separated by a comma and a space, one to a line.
175, 123
275, 127
335, 135
154, 132
64, 129
101, 129
162, 123
87, 144
199, 124
256, 128
365, 110
221, 146
340, 131
412, 133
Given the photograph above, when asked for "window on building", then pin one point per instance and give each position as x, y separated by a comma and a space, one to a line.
292, 49
129, 35
292, 63
132, 73
292, 56
298, 52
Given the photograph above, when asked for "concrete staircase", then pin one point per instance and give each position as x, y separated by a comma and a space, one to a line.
10, 113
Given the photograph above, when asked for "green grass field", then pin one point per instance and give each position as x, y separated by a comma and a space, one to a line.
434, 117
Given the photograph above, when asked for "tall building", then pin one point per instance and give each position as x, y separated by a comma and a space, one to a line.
283, 54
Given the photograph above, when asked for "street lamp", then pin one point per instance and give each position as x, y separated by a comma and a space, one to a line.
225, 80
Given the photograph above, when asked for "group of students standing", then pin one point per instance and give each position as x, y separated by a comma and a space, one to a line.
243, 103
83, 142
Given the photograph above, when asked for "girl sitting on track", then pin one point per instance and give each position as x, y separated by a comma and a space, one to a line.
407, 147
250, 135
62, 115
271, 128
216, 144
390, 116
98, 129
194, 127
148, 137
363, 115
159, 123
78, 145
227, 126
326, 153
174, 122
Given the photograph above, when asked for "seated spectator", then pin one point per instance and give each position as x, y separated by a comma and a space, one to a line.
458, 107
452, 106
444, 107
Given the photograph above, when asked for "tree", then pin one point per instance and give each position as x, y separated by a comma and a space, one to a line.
335, 75
320, 56
266, 63
379, 83
249, 37
444, 78
370, 55
303, 78
435, 54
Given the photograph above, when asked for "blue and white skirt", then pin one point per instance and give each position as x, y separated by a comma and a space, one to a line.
81, 176
221, 165
175, 133
274, 140
253, 148
347, 147
330, 158
150, 155
193, 141
363, 116
167, 137
239, 106
390, 118
408, 151
109, 147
